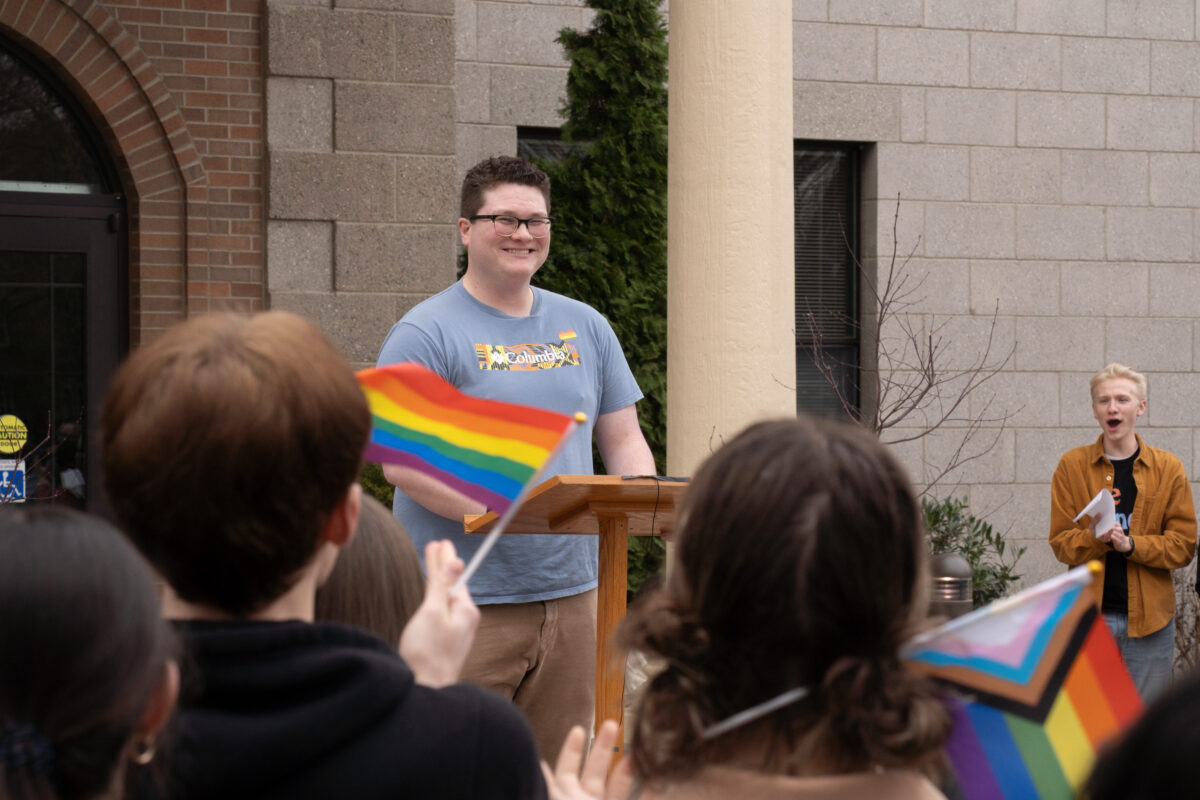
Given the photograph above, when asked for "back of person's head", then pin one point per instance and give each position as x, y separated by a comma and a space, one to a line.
376, 583
800, 562
495, 171
1157, 757
226, 444
86, 655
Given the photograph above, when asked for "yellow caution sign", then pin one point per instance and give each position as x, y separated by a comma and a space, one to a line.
13, 434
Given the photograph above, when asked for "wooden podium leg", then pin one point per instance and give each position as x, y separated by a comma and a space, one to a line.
610, 608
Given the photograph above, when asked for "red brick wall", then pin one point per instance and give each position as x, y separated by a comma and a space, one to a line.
209, 55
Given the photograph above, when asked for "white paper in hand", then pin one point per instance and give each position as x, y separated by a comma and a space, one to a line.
1102, 510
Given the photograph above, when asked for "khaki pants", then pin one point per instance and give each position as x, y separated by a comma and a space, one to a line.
542, 656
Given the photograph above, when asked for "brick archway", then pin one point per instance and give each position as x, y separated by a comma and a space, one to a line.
160, 167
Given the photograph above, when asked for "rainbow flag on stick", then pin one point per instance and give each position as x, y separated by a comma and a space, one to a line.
1039, 687
488, 450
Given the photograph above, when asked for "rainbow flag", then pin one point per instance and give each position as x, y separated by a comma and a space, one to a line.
485, 449
1039, 686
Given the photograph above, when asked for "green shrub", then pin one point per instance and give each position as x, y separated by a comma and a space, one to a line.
610, 193
610, 205
951, 528
647, 556
376, 485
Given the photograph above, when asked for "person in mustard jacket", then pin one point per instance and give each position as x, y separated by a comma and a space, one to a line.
1154, 533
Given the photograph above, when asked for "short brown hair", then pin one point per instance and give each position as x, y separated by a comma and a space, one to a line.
1115, 370
377, 582
225, 445
492, 172
800, 562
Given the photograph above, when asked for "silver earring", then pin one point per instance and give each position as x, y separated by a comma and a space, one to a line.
143, 750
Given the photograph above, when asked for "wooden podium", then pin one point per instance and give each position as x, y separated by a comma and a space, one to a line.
613, 508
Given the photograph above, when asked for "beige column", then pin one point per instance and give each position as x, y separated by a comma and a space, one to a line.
730, 307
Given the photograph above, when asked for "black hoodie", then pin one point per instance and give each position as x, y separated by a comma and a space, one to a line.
300, 710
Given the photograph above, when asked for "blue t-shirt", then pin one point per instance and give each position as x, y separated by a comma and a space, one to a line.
563, 357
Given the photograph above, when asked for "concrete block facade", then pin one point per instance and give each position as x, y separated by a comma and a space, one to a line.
1046, 156
360, 112
510, 71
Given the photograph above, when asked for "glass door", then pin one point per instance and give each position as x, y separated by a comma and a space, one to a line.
63, 325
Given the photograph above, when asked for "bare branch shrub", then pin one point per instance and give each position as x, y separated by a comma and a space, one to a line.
910, 386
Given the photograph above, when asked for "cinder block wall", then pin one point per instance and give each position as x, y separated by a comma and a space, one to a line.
360, 112
510, 71
1047, 160
1045, 156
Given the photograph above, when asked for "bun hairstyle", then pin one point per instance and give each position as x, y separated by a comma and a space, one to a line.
84, 649
800, 562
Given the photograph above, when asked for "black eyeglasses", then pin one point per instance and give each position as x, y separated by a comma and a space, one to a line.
506, 224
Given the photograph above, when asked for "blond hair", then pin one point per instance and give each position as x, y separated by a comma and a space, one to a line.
1115, 370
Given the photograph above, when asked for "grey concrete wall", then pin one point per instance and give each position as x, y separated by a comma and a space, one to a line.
510, 71
361, 153
1046, 155
375, 109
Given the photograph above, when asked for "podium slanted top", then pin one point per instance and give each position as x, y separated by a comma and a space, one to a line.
571, 504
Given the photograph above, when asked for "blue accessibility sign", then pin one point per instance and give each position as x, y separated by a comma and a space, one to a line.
12, 481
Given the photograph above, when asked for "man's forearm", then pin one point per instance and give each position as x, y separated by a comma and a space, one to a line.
631, 457
432, 494
622, 445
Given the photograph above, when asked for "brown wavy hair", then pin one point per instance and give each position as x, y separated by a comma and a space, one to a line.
800, 562
377, 583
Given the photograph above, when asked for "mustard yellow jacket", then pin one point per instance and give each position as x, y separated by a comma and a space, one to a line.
1163, 525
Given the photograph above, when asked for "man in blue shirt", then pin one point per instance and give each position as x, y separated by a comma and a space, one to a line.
493, 335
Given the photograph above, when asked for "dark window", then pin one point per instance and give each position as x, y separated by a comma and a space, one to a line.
826, 178
543, 143
43, 145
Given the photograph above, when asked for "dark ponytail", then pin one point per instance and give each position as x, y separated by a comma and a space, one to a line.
85, 647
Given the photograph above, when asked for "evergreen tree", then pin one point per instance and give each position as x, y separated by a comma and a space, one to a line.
609, 199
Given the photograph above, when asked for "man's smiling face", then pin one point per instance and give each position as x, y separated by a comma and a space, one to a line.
1116, 405
499, 260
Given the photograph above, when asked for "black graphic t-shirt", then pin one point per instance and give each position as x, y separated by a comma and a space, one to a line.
1116, 585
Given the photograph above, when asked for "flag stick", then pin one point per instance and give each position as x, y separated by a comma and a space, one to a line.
754, 712
509, 512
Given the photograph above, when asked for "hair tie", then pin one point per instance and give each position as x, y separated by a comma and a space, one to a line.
21, 746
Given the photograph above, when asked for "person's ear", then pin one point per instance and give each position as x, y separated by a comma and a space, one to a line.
343, 522
162, 701
464, 231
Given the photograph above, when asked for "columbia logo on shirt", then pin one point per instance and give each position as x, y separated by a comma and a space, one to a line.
527, 357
